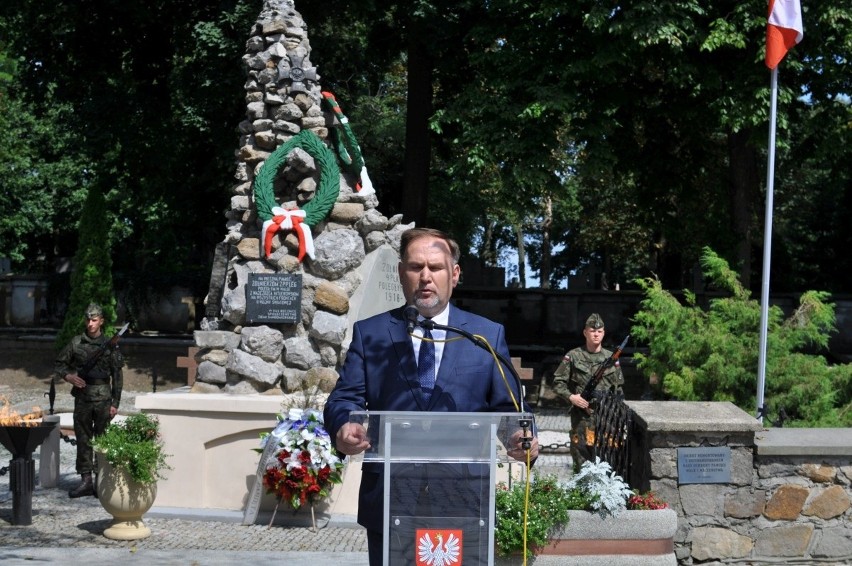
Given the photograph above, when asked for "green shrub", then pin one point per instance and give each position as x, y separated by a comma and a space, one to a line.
134, 445
712, 354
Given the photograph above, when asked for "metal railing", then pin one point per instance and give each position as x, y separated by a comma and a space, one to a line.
613, 429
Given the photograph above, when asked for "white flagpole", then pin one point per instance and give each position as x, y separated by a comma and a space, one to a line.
767, 246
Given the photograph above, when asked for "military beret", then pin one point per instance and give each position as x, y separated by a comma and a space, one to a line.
94, 310
594, 321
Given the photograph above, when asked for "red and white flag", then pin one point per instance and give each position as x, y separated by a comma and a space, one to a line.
783, 30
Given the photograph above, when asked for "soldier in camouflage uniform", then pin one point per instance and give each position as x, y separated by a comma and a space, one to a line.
575, 370
96, 395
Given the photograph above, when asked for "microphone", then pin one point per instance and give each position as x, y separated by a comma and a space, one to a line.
431, 325
410, 313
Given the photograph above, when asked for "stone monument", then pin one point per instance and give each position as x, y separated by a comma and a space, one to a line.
283, 99
306, 254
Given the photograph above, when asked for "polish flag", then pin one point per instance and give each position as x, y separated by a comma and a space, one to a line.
783, 30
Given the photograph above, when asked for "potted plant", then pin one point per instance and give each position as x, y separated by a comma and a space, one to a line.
572, 511
130, 460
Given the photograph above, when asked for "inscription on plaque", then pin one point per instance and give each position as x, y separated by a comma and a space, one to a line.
381, 289
704, 465
274, 297
389, 287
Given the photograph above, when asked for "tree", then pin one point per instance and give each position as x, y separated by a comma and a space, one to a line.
150, 130
641, 126
91, 278
712, 355
42, 173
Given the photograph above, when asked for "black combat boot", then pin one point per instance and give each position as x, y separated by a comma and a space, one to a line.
85, 488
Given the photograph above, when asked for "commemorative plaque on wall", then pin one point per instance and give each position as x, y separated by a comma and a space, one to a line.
704, 465
274, 298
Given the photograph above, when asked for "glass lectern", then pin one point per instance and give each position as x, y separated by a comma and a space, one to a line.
440, 473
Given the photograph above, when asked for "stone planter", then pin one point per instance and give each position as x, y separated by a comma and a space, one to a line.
126, 500
634, 537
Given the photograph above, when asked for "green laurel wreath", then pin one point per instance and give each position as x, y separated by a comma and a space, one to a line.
347, 146
329, 186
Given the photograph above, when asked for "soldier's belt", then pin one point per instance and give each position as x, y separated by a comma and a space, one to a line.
97, 381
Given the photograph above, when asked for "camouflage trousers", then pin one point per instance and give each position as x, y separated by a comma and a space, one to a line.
91, 417
582, 437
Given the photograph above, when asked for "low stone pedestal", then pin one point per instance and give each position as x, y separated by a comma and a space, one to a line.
210, 440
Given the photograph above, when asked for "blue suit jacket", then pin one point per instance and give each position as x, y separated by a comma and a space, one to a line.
380, 374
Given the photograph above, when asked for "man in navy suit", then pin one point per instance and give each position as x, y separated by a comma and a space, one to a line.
380, 372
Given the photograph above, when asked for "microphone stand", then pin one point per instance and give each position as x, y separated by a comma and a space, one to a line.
525, 424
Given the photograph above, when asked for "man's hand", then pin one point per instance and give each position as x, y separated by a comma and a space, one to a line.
75, 380
578, 401
352, 439
516, 450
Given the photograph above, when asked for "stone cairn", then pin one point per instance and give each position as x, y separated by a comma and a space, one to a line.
283, 97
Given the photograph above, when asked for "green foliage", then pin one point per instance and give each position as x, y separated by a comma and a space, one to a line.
165, 167
135, 446
91, 278
625, 117
42, 184
712, 354
547, 505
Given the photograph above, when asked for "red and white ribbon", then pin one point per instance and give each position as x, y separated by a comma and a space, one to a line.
365, 185
289, 220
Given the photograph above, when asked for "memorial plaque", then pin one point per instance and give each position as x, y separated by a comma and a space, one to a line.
704, 465
380, 289
274, 297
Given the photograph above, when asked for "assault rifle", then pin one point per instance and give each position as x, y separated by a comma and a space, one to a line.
89, 364
589, 390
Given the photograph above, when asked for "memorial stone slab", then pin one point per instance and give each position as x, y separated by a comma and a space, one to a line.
380, 290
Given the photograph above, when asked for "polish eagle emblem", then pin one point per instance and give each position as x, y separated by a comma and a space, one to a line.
438, 552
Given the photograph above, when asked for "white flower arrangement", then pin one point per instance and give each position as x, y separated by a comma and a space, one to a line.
608, 490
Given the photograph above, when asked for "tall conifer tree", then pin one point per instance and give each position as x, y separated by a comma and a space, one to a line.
91, 276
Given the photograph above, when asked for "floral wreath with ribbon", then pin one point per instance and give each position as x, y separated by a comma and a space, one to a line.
347, 147
303, 466
299, 220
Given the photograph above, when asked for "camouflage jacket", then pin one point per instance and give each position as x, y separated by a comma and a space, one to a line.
578, 366
109, 366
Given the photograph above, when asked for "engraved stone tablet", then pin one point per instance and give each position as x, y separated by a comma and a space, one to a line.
380, 289
704, 465
274, 298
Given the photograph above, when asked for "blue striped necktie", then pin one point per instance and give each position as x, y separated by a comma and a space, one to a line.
426, 364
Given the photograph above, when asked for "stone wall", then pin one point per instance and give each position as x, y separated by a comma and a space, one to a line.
789, 494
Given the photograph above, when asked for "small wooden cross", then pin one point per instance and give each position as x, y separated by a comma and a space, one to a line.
189, 363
